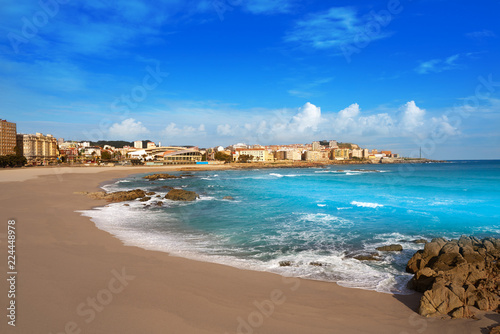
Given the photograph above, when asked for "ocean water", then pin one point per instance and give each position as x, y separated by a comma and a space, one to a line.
326, 215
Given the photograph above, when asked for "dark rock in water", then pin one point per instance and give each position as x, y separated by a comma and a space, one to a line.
457, 277
153, 177
285, 263
181, 195
159, 203
316, 264
118, 196
369, 257
228, 198
186, 175
158, 195
390, 248
420, 241
151, 193
145, 199
126, 204
495, 330
167, 187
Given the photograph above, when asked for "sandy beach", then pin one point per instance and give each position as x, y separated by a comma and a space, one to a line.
75, 278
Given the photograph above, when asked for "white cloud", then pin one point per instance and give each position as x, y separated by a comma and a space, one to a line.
225, 130
129, 129
412, 117
172, 131
349, 112
308, 118
481, 34
268, 7
438, 65
333, 28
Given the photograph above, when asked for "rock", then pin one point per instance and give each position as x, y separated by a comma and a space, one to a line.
153, 177
450, 247
151, 193
119, 196
431, 249
416, 263
159, 203
316, 264
439, 301
158, 195
464, 241
181, 195
423, 280
167, 187
447, 261
230, 198
390, 248
369, 257
420, 241
440, 241
145, 199
186, 175
457, 277
495, 330
285, 263
126, 204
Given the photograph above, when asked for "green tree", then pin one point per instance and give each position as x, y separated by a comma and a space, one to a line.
18, 150
221, 156
105, 155
12, 160
245, 158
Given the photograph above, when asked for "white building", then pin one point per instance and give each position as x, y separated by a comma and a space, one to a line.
294, 155
138, 144
92, 151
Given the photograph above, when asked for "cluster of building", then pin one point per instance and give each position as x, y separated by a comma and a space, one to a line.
42, 149
315, 152
37, 148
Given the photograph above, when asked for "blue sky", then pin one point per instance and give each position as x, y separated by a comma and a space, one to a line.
392, 75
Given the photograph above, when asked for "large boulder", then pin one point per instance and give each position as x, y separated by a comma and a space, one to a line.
181, 195
118, 196
457, 277
390, 248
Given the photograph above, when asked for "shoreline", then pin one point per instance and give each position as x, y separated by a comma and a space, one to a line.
64, 259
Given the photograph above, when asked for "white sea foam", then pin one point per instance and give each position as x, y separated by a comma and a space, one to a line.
366, 204
281, 175
321, 205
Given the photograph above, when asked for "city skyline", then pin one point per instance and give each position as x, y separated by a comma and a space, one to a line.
212, 73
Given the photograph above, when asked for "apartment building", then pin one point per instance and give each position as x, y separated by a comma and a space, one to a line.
7, 137
39, 148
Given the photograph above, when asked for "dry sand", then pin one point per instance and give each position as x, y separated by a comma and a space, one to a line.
67, 278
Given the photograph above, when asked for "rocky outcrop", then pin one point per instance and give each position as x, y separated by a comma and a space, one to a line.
495, 330
420, 241
390, 248
316, 264
368, 257
154, 177
181, 195
118, 196
285, 263
229, 198
457, 277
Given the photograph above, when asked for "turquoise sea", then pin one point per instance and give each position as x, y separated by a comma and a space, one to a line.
303, 215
